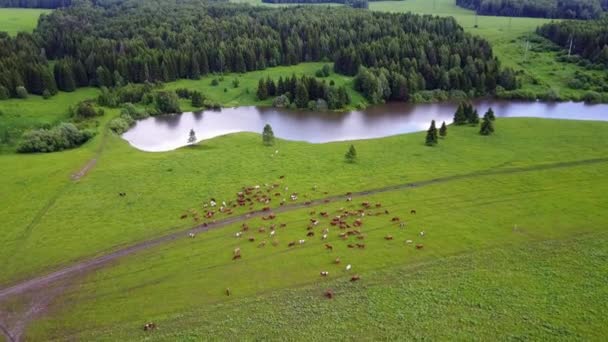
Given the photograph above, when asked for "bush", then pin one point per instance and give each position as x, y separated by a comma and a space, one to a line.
183, 93
46, 94
281, 101
21, 92
4, 94
86, 110
119, 125
215, 82
132, 111
61, 137
592, 97
167, 102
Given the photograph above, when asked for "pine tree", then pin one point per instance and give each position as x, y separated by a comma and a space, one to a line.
271, 86
431, 135
460, 116
473, 117
490, 114
487, 126
301, 98
443, 131
268, 136
192, 137
262, 90
351, 154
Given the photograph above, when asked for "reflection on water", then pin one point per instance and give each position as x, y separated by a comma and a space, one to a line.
168, 132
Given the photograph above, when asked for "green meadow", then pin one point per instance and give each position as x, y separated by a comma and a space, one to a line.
514, 243
15, 20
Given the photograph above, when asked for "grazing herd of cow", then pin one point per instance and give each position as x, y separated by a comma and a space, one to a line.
349, 223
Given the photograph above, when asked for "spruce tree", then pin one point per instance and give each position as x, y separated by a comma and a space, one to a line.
490, 114
460, 117
351, 154
443, 131
192, 137
262, 90
431, 135
487, 126
268, 136
301, 98
473, 117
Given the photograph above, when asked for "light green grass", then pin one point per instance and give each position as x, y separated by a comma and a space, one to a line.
508, 37
15, 20
88, 216
458, 217
245, 94
18, 115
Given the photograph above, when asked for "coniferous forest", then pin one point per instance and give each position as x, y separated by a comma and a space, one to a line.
113, 43
589, 39
568, 9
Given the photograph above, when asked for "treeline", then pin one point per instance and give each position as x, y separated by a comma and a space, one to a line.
352, 3
567, 9
158, 41
589, 39
305, 92
35, 3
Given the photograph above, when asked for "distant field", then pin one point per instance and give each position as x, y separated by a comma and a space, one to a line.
14, 20
508, 37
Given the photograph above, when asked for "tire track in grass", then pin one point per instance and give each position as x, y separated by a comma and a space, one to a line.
85, 265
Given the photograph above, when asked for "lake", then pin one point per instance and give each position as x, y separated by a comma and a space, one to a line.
168, 132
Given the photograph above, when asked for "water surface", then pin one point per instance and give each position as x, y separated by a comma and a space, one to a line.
168, 132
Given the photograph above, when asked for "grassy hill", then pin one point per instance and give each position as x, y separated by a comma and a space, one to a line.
14, 20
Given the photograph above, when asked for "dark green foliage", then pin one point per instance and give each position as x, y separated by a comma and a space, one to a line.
114, 43
215, 82
268, 135
351, 154
64, 75
301, 96
443, 130
197, 99
490, 114
432, 137
262, 92
35, 3
589, 38
167, 102
21, 92
487, 126
473, 118
461, 117
236, 82
183, 93
4, 93
351, 3
568, 9
61, 137
85, 110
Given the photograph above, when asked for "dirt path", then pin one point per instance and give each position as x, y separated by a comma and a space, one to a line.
82, 172
83, 266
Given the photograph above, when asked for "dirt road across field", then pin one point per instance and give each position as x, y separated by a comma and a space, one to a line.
39, 284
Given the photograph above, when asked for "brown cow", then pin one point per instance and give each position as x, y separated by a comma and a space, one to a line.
355, 277
419, 246
291, 244
395, 219
413, 211
149, 326
329, 294
388, 237
238, 256
350, 245
360, 245
183, 216
337, 261
310, 234
378, 205
329, 247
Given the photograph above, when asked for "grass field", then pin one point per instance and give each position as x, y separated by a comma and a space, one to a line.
245, 94
15, 20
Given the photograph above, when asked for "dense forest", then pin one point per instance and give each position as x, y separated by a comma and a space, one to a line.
158, 41
351, 3
589, 38
569, 9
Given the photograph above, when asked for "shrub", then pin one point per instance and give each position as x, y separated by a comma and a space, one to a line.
4, 94
46, 94
61, 137
183, 93
86, 110
21, 92
592, 97
281, 101
215, 82
167, 102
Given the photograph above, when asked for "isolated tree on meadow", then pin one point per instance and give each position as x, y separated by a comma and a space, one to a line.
192, 137
460, 117
351, 154
490, 114
431, 135
268, 135
443, 131
487, 126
